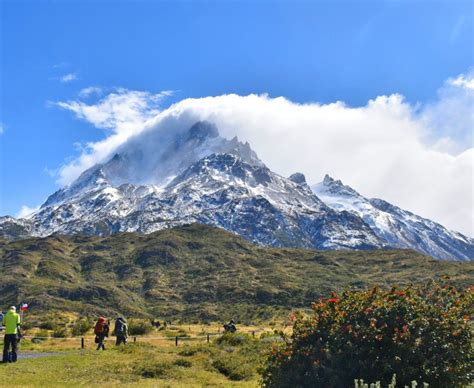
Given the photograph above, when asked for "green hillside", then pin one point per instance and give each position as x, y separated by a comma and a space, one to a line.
195, 273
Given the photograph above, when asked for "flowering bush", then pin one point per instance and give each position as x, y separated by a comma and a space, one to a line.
420, 333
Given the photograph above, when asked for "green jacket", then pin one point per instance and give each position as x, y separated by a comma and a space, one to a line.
11, 321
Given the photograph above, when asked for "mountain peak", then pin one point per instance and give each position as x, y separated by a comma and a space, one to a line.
330, 181
202, 130
298, 178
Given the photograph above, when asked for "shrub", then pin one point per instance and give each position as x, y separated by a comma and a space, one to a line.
40, 334
153, 369
47, 325
232, 366
234, 339
81, 327
184, 363
60, 332
136, 327
418, 333
26, 325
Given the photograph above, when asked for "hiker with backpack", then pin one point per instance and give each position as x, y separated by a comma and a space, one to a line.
11, 320
121, 331
230, 327
101, 330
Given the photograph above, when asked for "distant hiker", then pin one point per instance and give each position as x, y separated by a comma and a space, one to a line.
155, 323
101, 330
1, 319
121, 331
230, 327
11, 320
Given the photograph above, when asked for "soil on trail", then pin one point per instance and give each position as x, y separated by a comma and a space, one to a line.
30, 355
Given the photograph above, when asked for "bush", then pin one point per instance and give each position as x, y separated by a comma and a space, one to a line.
47, 325
184, 363
136, 327
232, 366
418, 333
234, 339
40, 334
81, 327
153, 370
26, 325
60, 332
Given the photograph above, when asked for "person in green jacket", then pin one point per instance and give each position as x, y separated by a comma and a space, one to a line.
11, 321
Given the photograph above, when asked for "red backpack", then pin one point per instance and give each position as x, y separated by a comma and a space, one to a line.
100, 326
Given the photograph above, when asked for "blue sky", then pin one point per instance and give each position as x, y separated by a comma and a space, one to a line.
306, 51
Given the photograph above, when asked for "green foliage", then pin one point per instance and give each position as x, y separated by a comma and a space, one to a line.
81, 327
60, 332
420, 333
183, 363
163, 275
188, 351
232, 366
26, 325
139, 327
153, 369
233, 339
47, 325
40, 334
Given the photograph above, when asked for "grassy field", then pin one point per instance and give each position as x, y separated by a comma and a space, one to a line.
225, 361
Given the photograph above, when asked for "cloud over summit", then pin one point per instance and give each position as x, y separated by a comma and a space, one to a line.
387, 148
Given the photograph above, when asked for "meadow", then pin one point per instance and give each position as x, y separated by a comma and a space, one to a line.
153, 360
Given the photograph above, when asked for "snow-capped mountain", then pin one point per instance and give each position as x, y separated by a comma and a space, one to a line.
399, 228
195, 175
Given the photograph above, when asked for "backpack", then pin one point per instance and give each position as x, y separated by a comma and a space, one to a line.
119, 327
100, 326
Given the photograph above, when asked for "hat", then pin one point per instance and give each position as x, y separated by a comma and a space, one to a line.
13, 308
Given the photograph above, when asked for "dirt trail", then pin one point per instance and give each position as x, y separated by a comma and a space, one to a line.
30, 355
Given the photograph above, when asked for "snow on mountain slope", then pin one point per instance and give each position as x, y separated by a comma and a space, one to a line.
195, 175
398, 227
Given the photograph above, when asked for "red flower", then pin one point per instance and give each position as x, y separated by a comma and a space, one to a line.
333, 300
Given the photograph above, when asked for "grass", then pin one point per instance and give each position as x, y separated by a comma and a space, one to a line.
192, 364
193, 273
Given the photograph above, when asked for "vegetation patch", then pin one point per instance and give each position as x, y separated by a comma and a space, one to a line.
183, 363
154, 369
419, 333
233, 366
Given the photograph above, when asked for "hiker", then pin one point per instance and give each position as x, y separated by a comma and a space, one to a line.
1, 320
101, 330
11, 320
230, 327
121, 331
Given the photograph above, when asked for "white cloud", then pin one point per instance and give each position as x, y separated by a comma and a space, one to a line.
450, 119
68, 77
122, 112
463, 81
380, 149
90, 91
26, 211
